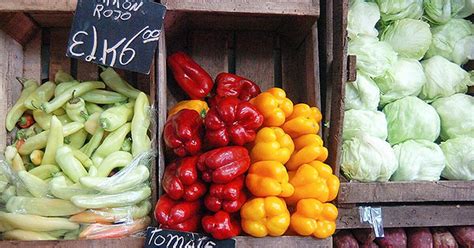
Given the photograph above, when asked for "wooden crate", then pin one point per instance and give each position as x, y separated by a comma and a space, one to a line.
427, 200
273, 50
33, 45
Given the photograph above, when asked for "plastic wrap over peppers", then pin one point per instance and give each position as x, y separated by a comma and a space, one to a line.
80, 164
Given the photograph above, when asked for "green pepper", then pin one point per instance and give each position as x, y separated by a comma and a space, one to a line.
113, 215
35, 223
9, 192
126, 145
55, 140
116, 159
76, 109
19, 234
62, 76
93, 108
116, 83
19, 108
44, 171
103, 97
42, 94
41, 206
140, 123
29, 132
93, 143
70, 165
60, 188
92, 123
78, 90
83, 158
113, 200
115, 117
120, 182
39, 141
62, 87
36, 186
43, 119
111, 144
77, 139
14, 159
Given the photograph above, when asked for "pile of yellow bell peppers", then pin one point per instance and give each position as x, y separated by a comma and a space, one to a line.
288, 171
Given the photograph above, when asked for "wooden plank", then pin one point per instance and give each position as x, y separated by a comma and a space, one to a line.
338, 78
254, 57
99, 243
161, 94
38, 5
412, 216
86, 70
53, 19
351, 68
32, 58
285, 7
282, 242
11, 67
446, 191
233, 22
202, 43
58, 46
19, 26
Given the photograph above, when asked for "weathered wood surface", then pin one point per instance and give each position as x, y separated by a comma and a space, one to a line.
57, 52
18, 26
286, 7
445, 191
38, 5
412, 216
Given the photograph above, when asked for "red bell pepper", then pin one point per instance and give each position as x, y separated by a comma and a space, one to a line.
183, 132
181, 181
228, 197
190, 76
26, 121
232, 121
228, 84
222, 165
178, 215
221, 225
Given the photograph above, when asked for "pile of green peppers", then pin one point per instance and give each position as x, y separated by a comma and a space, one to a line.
80, 161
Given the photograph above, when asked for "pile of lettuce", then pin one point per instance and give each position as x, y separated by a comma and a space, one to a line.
407, 115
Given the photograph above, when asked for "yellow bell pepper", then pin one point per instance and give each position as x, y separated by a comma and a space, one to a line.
268, 178
272, 143
274, 106
265, 216
303, 120
313, 180
308, 147
197, 105
314, 218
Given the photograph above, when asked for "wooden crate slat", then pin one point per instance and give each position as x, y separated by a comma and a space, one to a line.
38, 5
32, 58
61, 19
412, 216
11, 67
161, 107
57, 52
282, 242
86, 70
99, 243
287, 7
19, 26
202, 42
354, 192
254, 57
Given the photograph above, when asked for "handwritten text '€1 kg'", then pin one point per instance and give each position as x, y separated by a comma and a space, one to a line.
123, 48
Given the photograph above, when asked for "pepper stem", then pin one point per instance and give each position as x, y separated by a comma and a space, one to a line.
74, 100
21, 80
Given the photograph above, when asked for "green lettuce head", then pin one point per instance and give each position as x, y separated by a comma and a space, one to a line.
392, 10
418, 160
405, 78
443, 78
368, 121
411, 118
374, 57
457, 116
362, 93
368, 159
362, 18
454, 41
459, 153
409, 38
441, 11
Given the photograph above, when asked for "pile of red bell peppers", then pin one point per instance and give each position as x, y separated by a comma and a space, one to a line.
204, 182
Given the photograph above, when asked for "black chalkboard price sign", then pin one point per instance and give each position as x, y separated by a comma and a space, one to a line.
163, 238
117, 33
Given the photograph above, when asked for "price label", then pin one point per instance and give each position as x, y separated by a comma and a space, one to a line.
117, 33
157, 237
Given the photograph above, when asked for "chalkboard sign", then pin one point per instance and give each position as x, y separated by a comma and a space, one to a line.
117, 33
156, 237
